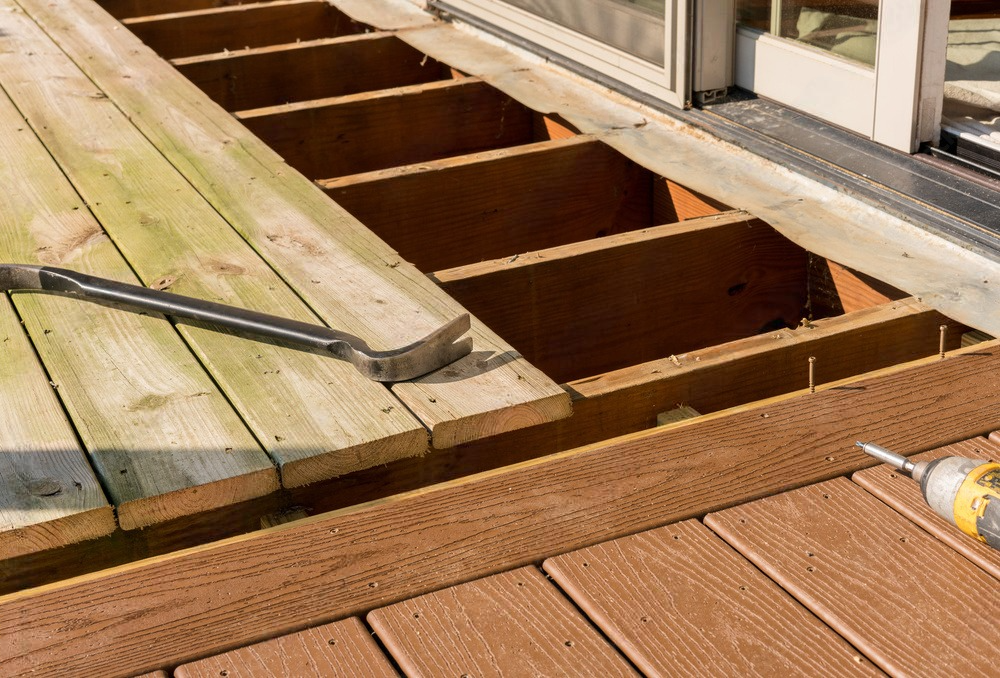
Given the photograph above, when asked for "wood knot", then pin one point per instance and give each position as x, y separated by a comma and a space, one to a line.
45, 487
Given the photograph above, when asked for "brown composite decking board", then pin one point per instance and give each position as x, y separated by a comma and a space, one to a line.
324, 568
363, 132
343, 649
910, 603
270, 76
512, 624
903, 494
679, 601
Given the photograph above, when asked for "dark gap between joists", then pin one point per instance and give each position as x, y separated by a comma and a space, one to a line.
123, 9
446, 213
331, 67
238, 27
357, 133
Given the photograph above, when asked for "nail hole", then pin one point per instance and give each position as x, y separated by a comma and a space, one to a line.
569, 643
644, 620
810, 569
332, 641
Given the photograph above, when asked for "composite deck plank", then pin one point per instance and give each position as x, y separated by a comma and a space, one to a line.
873, 576
177, 608
587, 308
317, 69
241, 26
679, 601
371, 131
511, 624
160, 434
353, 280
446, 213
49, 495
316, 416
342, 649
901, 493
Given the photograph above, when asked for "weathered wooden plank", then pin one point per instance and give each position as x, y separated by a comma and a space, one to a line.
240, 590
353, 280
679, 601
121, 9
450, 212
515, 623
363, 132
243, 26
316, 416
586, 308
163, 439
49, 495
344, 648
330, 67
902, 494
873, 576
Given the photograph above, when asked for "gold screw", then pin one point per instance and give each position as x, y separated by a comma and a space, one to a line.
812, 374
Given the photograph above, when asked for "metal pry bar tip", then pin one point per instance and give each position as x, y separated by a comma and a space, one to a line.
439, 348
894, 460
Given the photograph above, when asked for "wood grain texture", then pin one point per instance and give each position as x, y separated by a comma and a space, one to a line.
246, 589
673, 202
456, 211
873, 576
237, 27
511, 624
121, 9
586, 308
330, 67
158, 431
679, 601
316, 416
902, 494
352, 280
49, 496
342, 649
371, 131
836, 289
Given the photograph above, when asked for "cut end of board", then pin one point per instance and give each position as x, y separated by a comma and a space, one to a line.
451, 433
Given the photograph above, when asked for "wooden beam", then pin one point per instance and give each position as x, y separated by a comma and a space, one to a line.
237, 27
331, 67
121, 9
375, 130
836, 289
673, 202
172, 238
353, 281
586, 308
168, 610
451, 212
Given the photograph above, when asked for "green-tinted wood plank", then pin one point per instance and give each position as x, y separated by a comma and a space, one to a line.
353, 280
316, 416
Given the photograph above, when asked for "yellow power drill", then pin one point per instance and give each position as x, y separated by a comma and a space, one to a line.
965, 492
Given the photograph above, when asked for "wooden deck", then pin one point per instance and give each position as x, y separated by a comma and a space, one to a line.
461, 523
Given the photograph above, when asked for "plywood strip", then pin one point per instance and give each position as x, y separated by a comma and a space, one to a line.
363, 132
241, 26
269, 76
679, 601
873, 576
242, 590
902, 494
451, 212
587, 308
515, 623
49, 496
343, 649
316, 416
353, 280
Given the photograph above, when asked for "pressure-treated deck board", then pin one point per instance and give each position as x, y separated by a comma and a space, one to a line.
121, 9
371, 131
873, 576
678, 601
176, 608
586, 308
901, 493
344, 648
348, 276
449, 212
163, 439
316, 416
241, 26
511, 624
317, 69
49, 495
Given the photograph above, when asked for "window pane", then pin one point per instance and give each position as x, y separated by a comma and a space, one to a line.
633, 26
